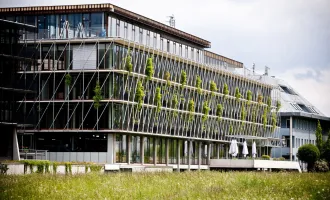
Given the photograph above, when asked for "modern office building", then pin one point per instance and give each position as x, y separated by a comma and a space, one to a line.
112, 86
299, 119
11, 90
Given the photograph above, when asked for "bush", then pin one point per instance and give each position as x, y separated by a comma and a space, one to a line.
309, 154
265, 157
321, 166
279, 159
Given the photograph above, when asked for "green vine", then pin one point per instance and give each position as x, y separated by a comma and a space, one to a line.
139, 94
175, 103
68, 79
254, 115
199, 84
158, 99
269, 102
243, 114
213, 87
98, 95
264, 118
219, 111
225, 90
237, 94
278, 105
149, 69
206, 110
231, 129
128, 64
191, 109
249, 97
183, 79
167, 77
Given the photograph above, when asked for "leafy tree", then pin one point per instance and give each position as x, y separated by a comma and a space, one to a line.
326, 147
149, 69
213, 87
309, 154
199, 84
318, 134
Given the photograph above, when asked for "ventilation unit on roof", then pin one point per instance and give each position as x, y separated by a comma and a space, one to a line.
313, 110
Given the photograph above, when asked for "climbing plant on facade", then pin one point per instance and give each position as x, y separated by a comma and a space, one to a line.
269, 103
158, 99
249, 97
68, 79
237, 94
183, 79
167, 77
139, 94
97, 95
199, 84
206, 110
264, 118
273, 121
260, 98
191, 109
225, 89
149, 69
219, 111
213, 87
278, 105
175, 104
128, 63
243, 114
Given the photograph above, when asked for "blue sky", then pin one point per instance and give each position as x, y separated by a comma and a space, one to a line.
291, 37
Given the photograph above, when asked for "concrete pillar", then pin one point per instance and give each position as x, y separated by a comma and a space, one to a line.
111, 152
128, 149
178, 155
218, 150
208, 153
291, 138
189, 154
142, 150
154, 150
199, 155
167, 152
16, 155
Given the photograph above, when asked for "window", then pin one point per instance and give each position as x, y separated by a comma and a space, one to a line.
174, 48
180, 50
297, 107
133, 32
287, 90
288, 123
148, 38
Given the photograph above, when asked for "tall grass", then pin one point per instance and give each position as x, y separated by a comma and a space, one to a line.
193, 185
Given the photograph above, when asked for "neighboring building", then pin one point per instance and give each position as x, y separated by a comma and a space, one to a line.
11, 90
298, 116
84, 53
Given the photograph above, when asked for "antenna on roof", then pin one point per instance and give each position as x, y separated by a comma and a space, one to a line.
253, 68
171, 21
266, 70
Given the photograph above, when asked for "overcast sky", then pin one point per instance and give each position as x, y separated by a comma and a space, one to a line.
291, 37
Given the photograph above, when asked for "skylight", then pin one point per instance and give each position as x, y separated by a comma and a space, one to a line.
287, 90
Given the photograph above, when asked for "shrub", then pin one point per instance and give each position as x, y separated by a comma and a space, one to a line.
139, 95
206, 110
279, 159
237, 94
219, 111
225, 89
191, 109
321, 166
158, 99
95, 168
183, 79
249, 96
269, 102
167, 77
260, 98
68, 168
55, 164
128, 64
309, 154
265, 157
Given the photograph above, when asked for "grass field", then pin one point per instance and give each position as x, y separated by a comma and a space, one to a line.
193, 185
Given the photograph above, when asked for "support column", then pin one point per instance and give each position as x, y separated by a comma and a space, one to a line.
128, 149
218, 150
291, 138
167, 152
178, 155
154, 150
16, 155
142, 150
111, 152
208, 153
199, 155
226, 146
189, 154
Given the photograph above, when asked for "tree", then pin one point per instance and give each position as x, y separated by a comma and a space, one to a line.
326, 147
309, 154
318, 134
